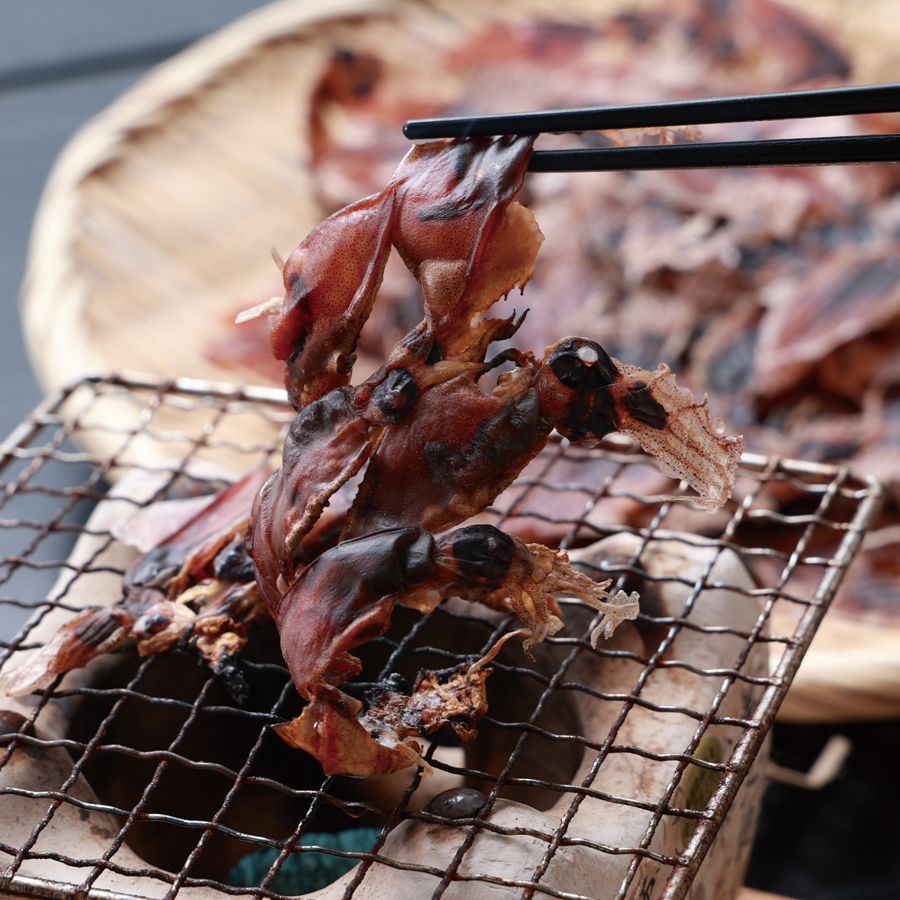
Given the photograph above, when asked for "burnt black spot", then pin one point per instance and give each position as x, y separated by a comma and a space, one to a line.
439, 458
418, 341
590, 414
324, 416
233, 680
297, 286
155, 623
463, 198
461, 154
435, 355
376, 565
504, 436
441, 212
644, 407
103, 624
233, 563
157, 568
493, 448
483, 552
447, 210
395, 683
496, 178
295, 375
574, 372
396, 395
417, 558
457, 803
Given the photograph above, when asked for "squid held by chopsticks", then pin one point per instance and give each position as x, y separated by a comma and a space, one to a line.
433, 447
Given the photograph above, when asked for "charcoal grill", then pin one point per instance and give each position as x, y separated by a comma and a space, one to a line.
175, 780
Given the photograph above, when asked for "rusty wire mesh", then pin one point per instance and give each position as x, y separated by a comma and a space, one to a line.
157, 752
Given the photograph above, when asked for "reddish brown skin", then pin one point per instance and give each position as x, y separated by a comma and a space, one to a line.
344, 599
450, 460
330, 282
326, 443
451, 451
464, 447
445, 203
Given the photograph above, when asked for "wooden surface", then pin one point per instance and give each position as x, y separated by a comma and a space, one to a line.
851, 674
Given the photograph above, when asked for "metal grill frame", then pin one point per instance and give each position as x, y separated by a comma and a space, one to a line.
862, 494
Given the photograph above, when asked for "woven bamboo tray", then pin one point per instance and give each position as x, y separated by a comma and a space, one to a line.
158, 219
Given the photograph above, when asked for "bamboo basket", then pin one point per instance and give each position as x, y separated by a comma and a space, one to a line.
157, 222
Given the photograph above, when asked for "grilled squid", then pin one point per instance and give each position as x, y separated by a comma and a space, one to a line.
434, 444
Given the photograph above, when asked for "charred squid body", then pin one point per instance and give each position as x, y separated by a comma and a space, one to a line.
345, 598
434, 447
464, 446
438, 449
433, 444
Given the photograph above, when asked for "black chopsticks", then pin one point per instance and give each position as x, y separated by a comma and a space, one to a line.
787, 152
876, 98
846, 101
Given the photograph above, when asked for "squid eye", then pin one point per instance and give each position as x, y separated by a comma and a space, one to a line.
482, 551
582, 365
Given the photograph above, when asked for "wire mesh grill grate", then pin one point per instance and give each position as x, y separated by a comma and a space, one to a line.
171, 781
